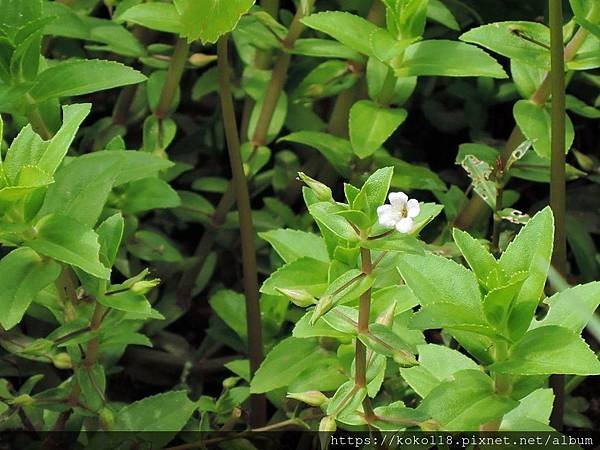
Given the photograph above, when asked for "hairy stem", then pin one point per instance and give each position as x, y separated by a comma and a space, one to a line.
476, 208
253, 321
557, 176
174, 74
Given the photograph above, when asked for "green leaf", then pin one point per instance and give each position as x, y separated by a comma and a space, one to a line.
451, 316
529, 252
435, 279
66, 240
24, 274
325, 214
17, 13
448, 58
336, 150
148, 194
284, 363
497, 303
371, 125
294, 244
346, 400
525, 41
384, 341
581, 9
304, 273
396, 416
130, 302
482, 263
532, 414
79, 77
572, 308
324, 48
156, 16
151, 246
440, 13
375, 190
230, 306
535, 123
466, 402
550, 350
167, 413
209, 19
110, 233
480, 173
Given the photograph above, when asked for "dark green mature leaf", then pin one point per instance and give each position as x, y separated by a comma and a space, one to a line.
78, 77
110, 233
167, 413
62, 238
448, 58
208, 19
466, 402
284, 363
231, 308
24, 274
371, 125
530, 252
17, 13
550, 350
440, 13
535, 122
336, 150
482, 263
156, 16
294, 244
525, 41
147, 194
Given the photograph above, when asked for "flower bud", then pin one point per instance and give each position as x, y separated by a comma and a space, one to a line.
230, 382
144, 286
405, 359
322, 191
429, 425
327, 424
107, 419
62, 361
312, 398
201, 59
298, 297
22, 400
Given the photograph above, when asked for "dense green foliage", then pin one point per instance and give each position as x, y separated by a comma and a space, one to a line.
203, 223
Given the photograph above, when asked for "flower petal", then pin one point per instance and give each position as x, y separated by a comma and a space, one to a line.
413, 208
398, 199
404, 225
387, 216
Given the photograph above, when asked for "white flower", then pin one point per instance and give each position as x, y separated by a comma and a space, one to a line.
399, 213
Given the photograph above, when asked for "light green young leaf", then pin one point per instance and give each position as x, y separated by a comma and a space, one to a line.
466, 402
448, 58
130, 302
480, 173
371, 125
207, 20
325, 214
110, 233
529, 252
525, 41
156, 16
572, 308
532, 414
482, 263
536, 123
294, 244
303, 273
24, 274
346, 400
375, 191
79, 77
66, 240
550, 350
435, 279
148, 194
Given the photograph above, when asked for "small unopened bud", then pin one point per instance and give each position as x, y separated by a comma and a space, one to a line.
312, 398
62, 361
429, 425
298, 297
405, 359
201, 60
22, 400
144, 286
322, 191
107, 419
327, 424
230, 382
324, 305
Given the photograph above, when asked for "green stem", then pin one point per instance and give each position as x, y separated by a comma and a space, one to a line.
364, 310
557, 176
255, 348
36, 120
502, 384
174, 74
476, 208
